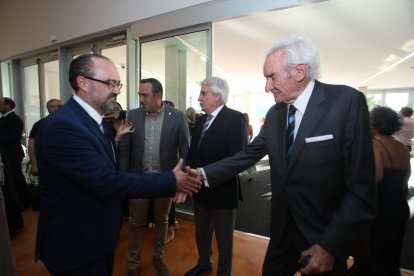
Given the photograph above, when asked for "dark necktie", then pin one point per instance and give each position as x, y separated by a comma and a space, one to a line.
290, 131
104, 127
205, 127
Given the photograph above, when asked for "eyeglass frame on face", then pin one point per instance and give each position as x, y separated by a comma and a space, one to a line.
111, 83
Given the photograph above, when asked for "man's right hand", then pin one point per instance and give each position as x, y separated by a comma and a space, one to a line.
186, 183
34, 170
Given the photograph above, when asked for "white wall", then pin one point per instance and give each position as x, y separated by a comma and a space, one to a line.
27, 25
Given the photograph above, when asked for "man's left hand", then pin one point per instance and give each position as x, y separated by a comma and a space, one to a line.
320, 261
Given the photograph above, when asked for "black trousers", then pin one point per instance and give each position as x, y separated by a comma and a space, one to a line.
282, 258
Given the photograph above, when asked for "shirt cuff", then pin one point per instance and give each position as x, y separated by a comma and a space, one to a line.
204, 178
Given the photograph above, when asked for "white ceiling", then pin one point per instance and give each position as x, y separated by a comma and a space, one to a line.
357, 39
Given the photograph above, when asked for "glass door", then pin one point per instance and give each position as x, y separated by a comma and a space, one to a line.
32, 96
179, 62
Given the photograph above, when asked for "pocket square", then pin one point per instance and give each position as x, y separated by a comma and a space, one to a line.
319, 138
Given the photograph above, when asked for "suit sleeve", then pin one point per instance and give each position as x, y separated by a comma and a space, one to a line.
349, 226
184, 136
239, 162
66, 148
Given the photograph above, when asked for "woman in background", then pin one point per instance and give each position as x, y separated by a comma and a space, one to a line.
392, 162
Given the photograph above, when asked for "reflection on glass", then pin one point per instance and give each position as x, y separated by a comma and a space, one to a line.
5, 79
396, 100
179, 63
118, 56
31, 92
373, 100
52, 87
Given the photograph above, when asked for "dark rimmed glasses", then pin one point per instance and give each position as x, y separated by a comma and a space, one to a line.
111, 83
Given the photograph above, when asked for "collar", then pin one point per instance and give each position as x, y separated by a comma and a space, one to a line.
216, 111
159, 112
89, 109
302, 101
7, 113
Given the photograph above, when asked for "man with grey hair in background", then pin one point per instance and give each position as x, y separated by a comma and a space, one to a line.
220, 133
322, 170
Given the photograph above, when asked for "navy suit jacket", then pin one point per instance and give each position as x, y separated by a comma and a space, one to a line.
81, 189
226, 136
328, 185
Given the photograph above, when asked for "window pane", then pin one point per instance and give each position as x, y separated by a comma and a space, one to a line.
373, 100
31, 92
118, 56
5, 79
52, 88
179, 63
396, 100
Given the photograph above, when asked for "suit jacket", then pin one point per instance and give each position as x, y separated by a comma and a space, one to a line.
174, 140
226, 136
328, 185
81, 189
11, 130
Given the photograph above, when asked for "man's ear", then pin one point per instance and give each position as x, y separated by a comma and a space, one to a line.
301, 71
82, 83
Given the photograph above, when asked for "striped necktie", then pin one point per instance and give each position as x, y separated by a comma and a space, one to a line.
205, 127
290, 131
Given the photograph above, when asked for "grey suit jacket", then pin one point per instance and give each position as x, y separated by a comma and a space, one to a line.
328, 185
174, 142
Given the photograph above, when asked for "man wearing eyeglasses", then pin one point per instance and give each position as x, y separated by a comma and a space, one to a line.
82, 188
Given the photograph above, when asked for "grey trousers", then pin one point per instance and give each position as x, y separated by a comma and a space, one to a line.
138, 211
221, 221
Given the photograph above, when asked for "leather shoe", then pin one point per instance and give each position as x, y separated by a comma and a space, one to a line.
198, 270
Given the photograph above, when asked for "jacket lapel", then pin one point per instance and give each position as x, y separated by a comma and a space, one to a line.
93, 127
313, 114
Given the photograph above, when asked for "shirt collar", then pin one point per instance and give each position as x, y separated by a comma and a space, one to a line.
216, 111
302, 101
158, 113
89, 109
7, 113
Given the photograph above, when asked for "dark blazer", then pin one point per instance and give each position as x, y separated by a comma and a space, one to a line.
11, 130
81, 189
174, 143
226, 136
329, 183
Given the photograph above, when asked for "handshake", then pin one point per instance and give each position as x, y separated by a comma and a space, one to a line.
188, 182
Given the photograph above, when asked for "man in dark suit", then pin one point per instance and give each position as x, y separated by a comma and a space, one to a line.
15, 190
323, 187
11, 130
81, 192
220, 133
160, 138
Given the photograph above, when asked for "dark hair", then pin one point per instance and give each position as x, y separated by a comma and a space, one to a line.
385, 120
9, 101
82, 66
156, 85
406, 111
169, 103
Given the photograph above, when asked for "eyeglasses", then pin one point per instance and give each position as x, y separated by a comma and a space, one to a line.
111, 83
